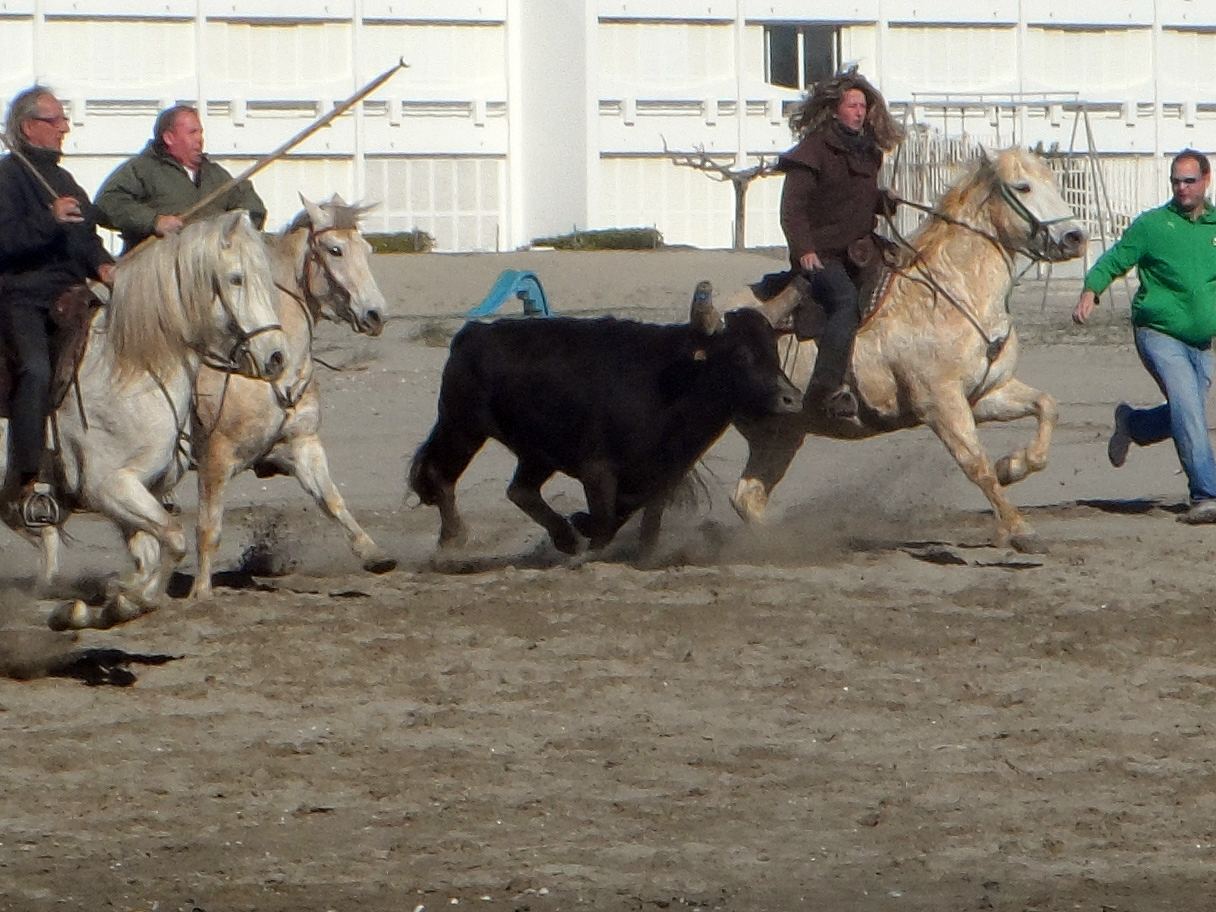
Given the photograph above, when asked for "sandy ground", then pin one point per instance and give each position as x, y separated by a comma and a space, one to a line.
860, 706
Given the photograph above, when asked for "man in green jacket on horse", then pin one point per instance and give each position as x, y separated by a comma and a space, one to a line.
146, 194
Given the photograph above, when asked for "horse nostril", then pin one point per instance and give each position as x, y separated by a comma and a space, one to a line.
373, 323
1074, 240
274, 365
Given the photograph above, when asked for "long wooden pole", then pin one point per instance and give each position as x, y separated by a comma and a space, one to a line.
29, 165
282, 150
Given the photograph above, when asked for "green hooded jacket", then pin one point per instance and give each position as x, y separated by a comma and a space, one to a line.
1175, 257
153, 183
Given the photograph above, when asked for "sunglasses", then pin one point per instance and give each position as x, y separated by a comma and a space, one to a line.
1183, 180
51, 120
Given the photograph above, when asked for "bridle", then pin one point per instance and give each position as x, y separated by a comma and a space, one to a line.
229, 362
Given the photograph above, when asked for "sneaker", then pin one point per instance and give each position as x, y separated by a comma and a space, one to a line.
1121, 436
39, 507
1200, 513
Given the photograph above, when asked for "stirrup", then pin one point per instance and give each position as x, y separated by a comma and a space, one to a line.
39, 508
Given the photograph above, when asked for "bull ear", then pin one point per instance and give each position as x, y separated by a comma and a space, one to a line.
702, 316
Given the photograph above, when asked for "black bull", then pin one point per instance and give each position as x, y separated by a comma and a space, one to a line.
627, 408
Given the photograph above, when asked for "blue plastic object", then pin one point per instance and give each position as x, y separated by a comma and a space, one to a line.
521, 283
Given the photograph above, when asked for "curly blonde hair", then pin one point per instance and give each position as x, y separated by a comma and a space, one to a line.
818, 107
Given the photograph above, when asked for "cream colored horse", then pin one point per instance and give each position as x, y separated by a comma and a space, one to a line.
203, 295
321, 267
941, 350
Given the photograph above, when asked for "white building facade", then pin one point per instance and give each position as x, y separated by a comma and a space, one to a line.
523, 118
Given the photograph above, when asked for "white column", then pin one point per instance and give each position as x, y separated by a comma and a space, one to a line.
358, 181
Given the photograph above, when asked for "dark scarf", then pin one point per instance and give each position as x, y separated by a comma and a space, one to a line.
858, 142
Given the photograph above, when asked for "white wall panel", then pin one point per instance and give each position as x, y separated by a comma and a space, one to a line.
1098, 65
263, 60
650, 59
1188, 65
920, 12
141, 59
445, 60
129, 9
928, 59
461, 202
685, 205
1108, 12
796, 10
444, 11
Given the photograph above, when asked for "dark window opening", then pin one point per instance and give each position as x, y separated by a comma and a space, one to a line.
798, 56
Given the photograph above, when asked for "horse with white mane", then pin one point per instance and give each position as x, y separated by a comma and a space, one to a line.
321, 267
203, 295
941, 349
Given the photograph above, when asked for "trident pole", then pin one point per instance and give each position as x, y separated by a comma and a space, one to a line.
282, 150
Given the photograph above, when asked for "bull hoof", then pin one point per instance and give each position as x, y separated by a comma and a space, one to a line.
380, 565
1028, 543
566, 541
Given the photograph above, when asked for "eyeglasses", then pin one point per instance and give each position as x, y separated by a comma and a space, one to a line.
1176, 181
52, 120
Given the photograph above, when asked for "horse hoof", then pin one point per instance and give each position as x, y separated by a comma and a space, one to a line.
74, 615
380, 565
1028, 543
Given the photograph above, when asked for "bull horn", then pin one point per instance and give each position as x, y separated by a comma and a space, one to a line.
702, 315
778, 308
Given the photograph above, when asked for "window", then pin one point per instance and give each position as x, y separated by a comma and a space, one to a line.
797, 56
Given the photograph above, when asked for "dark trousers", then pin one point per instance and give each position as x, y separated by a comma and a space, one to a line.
834, 288
25, 332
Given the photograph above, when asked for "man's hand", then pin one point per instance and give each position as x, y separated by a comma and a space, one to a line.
810, 262
66, 210
105, 272
1085, 307
167, 224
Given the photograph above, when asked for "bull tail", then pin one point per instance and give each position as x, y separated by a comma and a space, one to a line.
421, 475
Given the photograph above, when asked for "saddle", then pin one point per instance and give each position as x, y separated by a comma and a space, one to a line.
71, 314
875, 260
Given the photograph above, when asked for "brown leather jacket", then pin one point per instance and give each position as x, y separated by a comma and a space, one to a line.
831, 196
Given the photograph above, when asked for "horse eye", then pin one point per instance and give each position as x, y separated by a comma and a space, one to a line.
1022, 186
236, 279
335, 251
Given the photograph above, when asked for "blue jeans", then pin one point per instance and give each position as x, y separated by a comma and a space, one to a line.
1184, 373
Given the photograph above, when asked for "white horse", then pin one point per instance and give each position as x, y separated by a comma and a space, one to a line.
321, 266
204, 295
941, 349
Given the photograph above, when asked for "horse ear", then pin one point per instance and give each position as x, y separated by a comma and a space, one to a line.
232, 223
701, 315
986, 155
316, 215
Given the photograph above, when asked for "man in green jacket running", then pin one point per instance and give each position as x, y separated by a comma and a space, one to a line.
1174, 318
147, 193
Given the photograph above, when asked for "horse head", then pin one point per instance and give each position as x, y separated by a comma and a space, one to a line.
337, 266
1025, 207
206, 291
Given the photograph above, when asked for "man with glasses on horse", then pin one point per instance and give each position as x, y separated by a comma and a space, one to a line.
1173, 248
145, 195
48, 244
829, 204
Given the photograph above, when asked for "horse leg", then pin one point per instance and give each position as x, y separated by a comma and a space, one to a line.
1008, 402
307, 461
524, 492
772, 445
152, 534
48, 563
215, 461
951, 419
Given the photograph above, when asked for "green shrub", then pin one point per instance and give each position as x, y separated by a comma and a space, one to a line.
416, 241
605, 239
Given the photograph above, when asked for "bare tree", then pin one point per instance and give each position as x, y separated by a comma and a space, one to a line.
739, 179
